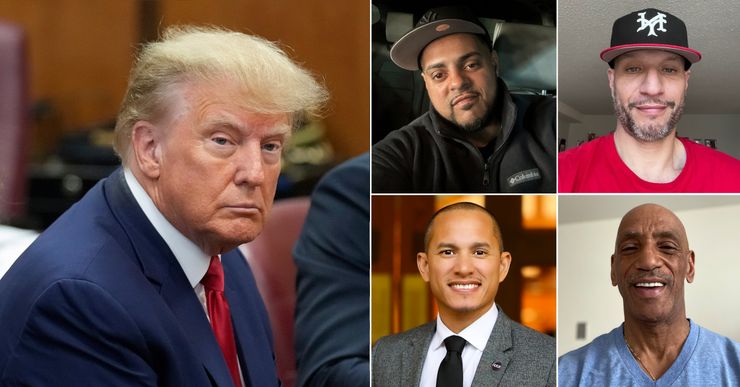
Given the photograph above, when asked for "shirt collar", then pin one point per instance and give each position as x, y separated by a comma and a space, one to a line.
476, 334
192, 259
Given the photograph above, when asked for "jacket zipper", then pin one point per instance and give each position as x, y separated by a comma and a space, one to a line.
486, 178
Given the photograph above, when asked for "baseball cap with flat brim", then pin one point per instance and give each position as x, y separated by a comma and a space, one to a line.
436, 23
649, 29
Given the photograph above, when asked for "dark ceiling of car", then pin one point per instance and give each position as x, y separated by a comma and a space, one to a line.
520, 11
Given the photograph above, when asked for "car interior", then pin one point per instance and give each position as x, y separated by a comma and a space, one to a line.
523, 34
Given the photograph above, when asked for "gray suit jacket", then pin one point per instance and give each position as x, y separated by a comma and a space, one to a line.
526, 357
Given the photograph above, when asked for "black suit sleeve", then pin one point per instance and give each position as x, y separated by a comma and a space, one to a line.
333, 285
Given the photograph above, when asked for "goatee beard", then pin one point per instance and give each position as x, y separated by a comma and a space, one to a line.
478, 124
472, 127
649, 132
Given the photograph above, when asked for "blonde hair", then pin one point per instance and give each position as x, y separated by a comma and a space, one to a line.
273, 83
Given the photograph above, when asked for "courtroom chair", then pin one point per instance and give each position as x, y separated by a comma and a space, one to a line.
270, 256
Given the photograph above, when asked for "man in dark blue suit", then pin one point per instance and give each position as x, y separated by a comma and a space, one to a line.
139, 282
332, 257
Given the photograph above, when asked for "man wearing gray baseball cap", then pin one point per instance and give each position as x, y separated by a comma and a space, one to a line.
476, 137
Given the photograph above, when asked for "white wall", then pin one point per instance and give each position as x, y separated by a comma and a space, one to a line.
723, 127
585, 293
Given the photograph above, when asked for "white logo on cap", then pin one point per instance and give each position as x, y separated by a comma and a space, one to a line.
657, 19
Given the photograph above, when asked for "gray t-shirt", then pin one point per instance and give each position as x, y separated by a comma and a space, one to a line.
706, 359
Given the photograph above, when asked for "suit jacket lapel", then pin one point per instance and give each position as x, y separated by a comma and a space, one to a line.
413, 358
253, 335
496, 356
162, 269
178, 294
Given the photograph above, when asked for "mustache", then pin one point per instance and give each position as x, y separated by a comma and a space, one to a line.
655, 273
463, 90
655, 101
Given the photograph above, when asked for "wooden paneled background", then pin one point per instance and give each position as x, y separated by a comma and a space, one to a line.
80, 52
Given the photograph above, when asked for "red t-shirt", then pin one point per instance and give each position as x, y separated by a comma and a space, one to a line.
597, 167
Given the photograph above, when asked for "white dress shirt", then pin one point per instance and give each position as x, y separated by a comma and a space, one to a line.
476, 335
13, 242
192, 259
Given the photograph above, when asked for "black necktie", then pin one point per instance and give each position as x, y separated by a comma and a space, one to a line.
450, 372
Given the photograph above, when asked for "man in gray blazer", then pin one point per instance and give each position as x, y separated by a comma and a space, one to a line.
472, 342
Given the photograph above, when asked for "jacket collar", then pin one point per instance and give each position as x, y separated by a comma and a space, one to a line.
496, 357
415, 354
497, 353
192, 259
163, 271
251, 325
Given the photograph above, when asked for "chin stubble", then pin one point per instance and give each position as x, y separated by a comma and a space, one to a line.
650, 132
477, 124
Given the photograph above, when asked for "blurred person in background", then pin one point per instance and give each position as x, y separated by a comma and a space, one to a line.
332, 256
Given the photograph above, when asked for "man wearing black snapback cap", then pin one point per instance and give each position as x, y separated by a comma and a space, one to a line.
649, 62
476, 137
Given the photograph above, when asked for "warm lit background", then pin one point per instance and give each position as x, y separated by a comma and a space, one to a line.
401, 299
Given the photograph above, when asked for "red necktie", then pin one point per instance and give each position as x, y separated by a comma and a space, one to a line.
218, 310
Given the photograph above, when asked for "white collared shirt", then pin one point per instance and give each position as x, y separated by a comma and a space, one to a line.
476, 335
192, 259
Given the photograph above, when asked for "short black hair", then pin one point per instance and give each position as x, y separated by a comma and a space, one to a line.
464, 206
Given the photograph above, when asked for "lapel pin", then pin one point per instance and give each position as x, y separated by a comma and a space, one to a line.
496, 365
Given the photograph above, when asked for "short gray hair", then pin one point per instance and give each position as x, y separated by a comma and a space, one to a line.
273, 83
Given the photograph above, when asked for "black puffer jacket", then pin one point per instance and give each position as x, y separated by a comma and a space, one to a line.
429, 156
